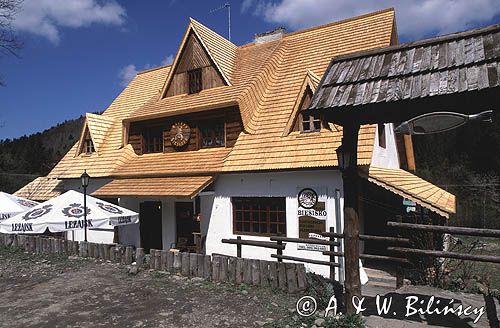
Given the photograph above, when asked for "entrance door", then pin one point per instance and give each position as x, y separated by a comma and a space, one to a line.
186, 224
150, 225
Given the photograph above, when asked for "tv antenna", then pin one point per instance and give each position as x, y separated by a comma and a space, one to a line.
228, 6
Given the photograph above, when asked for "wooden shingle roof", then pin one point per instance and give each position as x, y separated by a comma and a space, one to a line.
41, 189
158, 187
414, 188
451, 64
266, 80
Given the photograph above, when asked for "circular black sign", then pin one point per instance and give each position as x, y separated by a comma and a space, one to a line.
307, 198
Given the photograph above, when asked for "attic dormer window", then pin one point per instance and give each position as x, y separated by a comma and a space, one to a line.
309, 122
88, 146
194, 80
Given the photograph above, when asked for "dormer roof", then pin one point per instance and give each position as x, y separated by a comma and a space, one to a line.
220, 50
98, 126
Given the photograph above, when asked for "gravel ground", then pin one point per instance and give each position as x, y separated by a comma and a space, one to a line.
43, 291
51, 291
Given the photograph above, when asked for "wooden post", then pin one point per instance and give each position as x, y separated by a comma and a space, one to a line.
139, 257
332, 257
158, 260
185, 264
351, 220
170, 261
128, 255
238, 247
152, 258
177, 262
164, 256
279, 251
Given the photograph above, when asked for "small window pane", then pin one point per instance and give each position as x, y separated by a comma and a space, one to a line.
194, 80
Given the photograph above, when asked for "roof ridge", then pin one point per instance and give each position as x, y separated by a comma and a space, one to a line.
342, 21
419, 43
153, 69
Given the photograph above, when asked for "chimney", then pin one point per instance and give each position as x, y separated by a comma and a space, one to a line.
275, 34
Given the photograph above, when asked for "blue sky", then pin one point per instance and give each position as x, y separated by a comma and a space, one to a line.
78, 54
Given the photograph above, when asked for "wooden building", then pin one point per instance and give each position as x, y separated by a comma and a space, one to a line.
218, 144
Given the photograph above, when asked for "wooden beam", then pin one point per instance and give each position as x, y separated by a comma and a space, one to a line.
300, 259
450, 255
306, 241
265, 244
445, 229
351, 219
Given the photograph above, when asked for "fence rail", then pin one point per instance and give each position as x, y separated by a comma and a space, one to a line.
446, 229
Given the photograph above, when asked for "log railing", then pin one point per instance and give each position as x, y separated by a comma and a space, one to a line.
446, 229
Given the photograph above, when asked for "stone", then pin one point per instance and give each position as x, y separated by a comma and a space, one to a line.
319, 322
133, 270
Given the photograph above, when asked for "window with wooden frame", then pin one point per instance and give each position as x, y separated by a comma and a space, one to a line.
195, 84
213, 135
307, 121
88, 146
261, 216
152, 140
381, 135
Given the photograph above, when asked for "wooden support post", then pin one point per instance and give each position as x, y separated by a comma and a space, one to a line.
223, 268
158, 260
128, 255
193, 264
207, 267
351, 220
238, 247
279, 251
200, 272
231, 269
164, 256
216, 268
247, 271
101, 252
291, 277
185, 264
264, 273
255, 272
139, 257
170, 261
84, 250
332, 258
177, 262
239, 271
152, 258
282, 282
273, 274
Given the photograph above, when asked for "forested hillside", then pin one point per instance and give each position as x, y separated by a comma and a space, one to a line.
27, 157
465, 161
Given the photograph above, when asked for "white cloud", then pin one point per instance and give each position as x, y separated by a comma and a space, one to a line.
415, 18
47, 17
127, 74
167, 60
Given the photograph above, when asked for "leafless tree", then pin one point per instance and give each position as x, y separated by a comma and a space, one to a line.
9, 43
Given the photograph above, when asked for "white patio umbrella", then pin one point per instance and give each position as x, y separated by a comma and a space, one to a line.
65, 213
11, 205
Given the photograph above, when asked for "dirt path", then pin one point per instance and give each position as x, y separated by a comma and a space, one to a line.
57, 292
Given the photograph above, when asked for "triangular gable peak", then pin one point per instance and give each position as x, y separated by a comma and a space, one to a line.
204, 51
94, 132
309, 85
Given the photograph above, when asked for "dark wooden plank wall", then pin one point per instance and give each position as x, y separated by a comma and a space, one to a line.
194, 56
229, 116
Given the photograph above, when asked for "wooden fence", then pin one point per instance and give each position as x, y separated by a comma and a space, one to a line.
289, 277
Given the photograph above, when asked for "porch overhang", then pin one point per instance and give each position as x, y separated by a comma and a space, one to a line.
416, 189
180, 186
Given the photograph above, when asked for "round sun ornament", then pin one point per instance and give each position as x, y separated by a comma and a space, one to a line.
307, 198
179, 134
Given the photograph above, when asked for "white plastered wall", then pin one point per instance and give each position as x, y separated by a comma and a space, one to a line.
388, 156
218, 209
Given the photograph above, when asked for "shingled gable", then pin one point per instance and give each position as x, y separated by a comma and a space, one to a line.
311, 82
98, 127
219, 50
